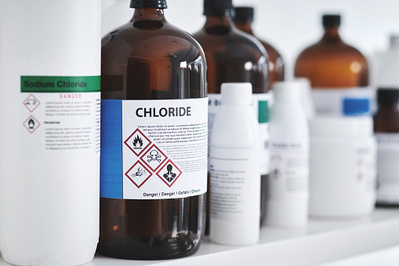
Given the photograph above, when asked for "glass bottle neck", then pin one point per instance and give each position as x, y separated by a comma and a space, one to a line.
245, 26
146, 13
220, 20
331, 34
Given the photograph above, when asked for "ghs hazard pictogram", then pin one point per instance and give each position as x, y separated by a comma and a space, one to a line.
169, 173
137, 142
31, 124
154, 157
138, 174
31, 103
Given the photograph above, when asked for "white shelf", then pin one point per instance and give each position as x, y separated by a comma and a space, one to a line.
321, 241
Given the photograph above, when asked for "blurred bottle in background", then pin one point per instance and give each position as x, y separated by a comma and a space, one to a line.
386, 129
335, 69
387, 65
234, 56
342, 163
243, 19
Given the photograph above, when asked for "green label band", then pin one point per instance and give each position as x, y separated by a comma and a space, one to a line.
263, 112
60, 84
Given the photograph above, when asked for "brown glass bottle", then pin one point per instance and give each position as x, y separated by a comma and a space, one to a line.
243, 19
386, 129
331, 63
148, 59
232, 56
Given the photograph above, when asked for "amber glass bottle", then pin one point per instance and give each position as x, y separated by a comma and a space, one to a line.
154, 138
332, 65
234, 56
386, 129
243, 19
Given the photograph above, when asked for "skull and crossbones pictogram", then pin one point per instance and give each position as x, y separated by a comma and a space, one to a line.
154, 156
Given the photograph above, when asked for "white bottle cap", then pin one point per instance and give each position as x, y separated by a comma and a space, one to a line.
287, 91
236, 93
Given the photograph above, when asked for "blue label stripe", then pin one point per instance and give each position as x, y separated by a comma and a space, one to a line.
111, 170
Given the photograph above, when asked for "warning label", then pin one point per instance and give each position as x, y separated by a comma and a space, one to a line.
168, 145
169, 173
154, 158
31, 103
138, 174
67, 120
137, 142
31, 124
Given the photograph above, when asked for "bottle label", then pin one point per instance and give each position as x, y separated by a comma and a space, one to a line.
330, 101
387, 166
260, 106
235, 183
60, 117
154, 149
289, 161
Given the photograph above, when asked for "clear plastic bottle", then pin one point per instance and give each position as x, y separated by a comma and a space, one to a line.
50, 138
234, 169
154, 138
234, 56
288, 188
334, 69
243, 19
386, 130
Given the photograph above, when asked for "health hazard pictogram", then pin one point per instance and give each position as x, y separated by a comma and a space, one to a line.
169, 173
138, 174
137, 142
154, 157
31, 103
31, 124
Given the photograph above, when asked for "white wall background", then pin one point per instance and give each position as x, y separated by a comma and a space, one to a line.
290, 25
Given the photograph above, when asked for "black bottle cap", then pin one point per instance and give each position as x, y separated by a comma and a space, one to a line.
331, 20
149, 3
217, 7
387, 96
244, 14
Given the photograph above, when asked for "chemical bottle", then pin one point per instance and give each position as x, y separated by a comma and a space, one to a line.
386, 129
288, 192
342, 163
154, 138
234, 56
334, 69
50, 138
234, 169
243, 19
387, 64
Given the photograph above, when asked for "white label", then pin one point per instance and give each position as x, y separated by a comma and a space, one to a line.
60, 126
235, 183
289, 161
261, 102
388, 166
366, 166
164, 148
330, 101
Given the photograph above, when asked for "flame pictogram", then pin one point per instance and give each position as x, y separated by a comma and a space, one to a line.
137, 142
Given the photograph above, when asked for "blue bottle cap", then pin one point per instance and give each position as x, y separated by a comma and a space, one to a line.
355, 106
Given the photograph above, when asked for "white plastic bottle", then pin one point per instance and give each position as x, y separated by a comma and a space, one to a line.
50, 131
287, 203
234, 169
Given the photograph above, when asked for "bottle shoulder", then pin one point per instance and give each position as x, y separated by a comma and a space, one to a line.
229, 39
332, 65
149, 36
